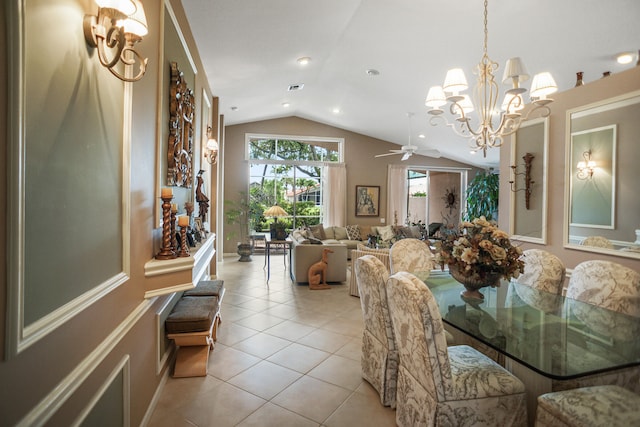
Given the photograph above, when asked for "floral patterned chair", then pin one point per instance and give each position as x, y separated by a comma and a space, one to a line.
411, 255
612, 286
607, 406
597, 242
542, 271
440, 386
379, 355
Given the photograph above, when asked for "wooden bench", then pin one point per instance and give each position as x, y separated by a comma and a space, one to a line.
193, 324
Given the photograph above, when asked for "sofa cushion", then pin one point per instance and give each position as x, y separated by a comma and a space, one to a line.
340, 233
318, 231
314, 241
415, 232
191, 314
365, 230
386, 233
353, 232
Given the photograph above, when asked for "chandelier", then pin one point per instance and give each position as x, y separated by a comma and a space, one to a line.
494, 124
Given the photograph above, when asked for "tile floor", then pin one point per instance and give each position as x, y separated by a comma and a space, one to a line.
285, 356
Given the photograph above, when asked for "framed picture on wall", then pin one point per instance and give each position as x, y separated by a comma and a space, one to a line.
367, 200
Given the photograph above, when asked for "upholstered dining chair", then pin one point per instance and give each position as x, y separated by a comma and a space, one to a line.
440, 386
612, 286
606, 284
597, 242
379, 358
542, 271
361, 250
411, 255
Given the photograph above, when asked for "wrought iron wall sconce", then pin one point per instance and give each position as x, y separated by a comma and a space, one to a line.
117, 27
212, 148
586, 167
528, 182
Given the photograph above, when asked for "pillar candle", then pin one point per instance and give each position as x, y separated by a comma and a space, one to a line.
174, 207
183, 221
166, 193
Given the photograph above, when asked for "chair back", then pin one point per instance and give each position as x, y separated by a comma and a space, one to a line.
381, 254
419, 333
597, 242
372, 277
411, 255
542, 270
606, 284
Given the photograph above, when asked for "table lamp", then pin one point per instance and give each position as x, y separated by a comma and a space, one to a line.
275, 211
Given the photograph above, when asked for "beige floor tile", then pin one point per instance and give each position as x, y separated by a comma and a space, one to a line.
265, 379
352, 350
360, 411
231, 333
290, 330
225, 405
262, 345
340, 371
299, 357
229, 362
325, 340
312, 398
270, 415
259, 321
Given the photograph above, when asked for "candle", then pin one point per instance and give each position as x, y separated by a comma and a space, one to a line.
183, 221
174, 207
166, 193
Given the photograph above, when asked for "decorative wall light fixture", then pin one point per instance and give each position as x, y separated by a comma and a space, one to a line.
586, 167
211, 149
117, 27
494, 125
528, 182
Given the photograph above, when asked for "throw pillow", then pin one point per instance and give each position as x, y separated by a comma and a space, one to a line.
340, 233
386, 233
318, 231
299, 236
415, 231
353, 232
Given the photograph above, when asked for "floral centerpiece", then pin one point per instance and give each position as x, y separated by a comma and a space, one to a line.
479, 254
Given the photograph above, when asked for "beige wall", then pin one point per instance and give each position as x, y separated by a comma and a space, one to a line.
615, 85
362, 167
85, 349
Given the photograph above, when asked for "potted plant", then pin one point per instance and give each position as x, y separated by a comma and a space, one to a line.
239, 212
482, 196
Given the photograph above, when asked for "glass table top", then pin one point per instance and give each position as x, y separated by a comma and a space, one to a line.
558, 337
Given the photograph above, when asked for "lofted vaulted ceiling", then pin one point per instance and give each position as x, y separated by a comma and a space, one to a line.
249, 50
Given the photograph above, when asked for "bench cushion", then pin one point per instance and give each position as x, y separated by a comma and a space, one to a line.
206, 288
192, 314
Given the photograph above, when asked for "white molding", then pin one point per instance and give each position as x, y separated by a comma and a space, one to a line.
162, 354
154, 400
47, 407
125, 367
169, 290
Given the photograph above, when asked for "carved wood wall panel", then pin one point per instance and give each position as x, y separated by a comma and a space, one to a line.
180, 147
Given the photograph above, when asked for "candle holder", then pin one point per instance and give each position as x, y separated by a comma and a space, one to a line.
166, 252
184, 249
174, 241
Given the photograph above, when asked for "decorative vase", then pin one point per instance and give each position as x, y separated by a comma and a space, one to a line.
473, 285
245, 250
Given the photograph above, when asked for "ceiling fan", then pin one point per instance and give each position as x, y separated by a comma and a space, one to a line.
410, 149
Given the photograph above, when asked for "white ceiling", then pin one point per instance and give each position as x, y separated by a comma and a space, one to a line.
249, 50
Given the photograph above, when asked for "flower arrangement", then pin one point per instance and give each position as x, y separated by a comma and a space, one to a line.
480, 251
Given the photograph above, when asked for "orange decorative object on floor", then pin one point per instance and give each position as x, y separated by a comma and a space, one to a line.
318, 272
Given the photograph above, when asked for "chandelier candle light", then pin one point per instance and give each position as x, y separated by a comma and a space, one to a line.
494, 125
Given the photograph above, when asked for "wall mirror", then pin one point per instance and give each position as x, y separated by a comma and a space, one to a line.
602, 202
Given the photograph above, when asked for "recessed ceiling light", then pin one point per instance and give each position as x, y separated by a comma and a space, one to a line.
286, 104
304, 60
234, 108
472, 152
336, 110
624, 58
422, 136
372, 72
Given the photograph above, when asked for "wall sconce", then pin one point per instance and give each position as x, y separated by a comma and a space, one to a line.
528, 159
211, 149
586, 167
119, 25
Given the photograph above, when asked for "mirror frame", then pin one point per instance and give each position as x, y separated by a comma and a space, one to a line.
608, 104
541, 182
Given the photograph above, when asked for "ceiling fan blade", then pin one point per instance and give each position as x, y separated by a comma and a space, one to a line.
407, 154
386, 154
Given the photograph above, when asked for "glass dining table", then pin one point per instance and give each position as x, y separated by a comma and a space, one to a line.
549, 341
